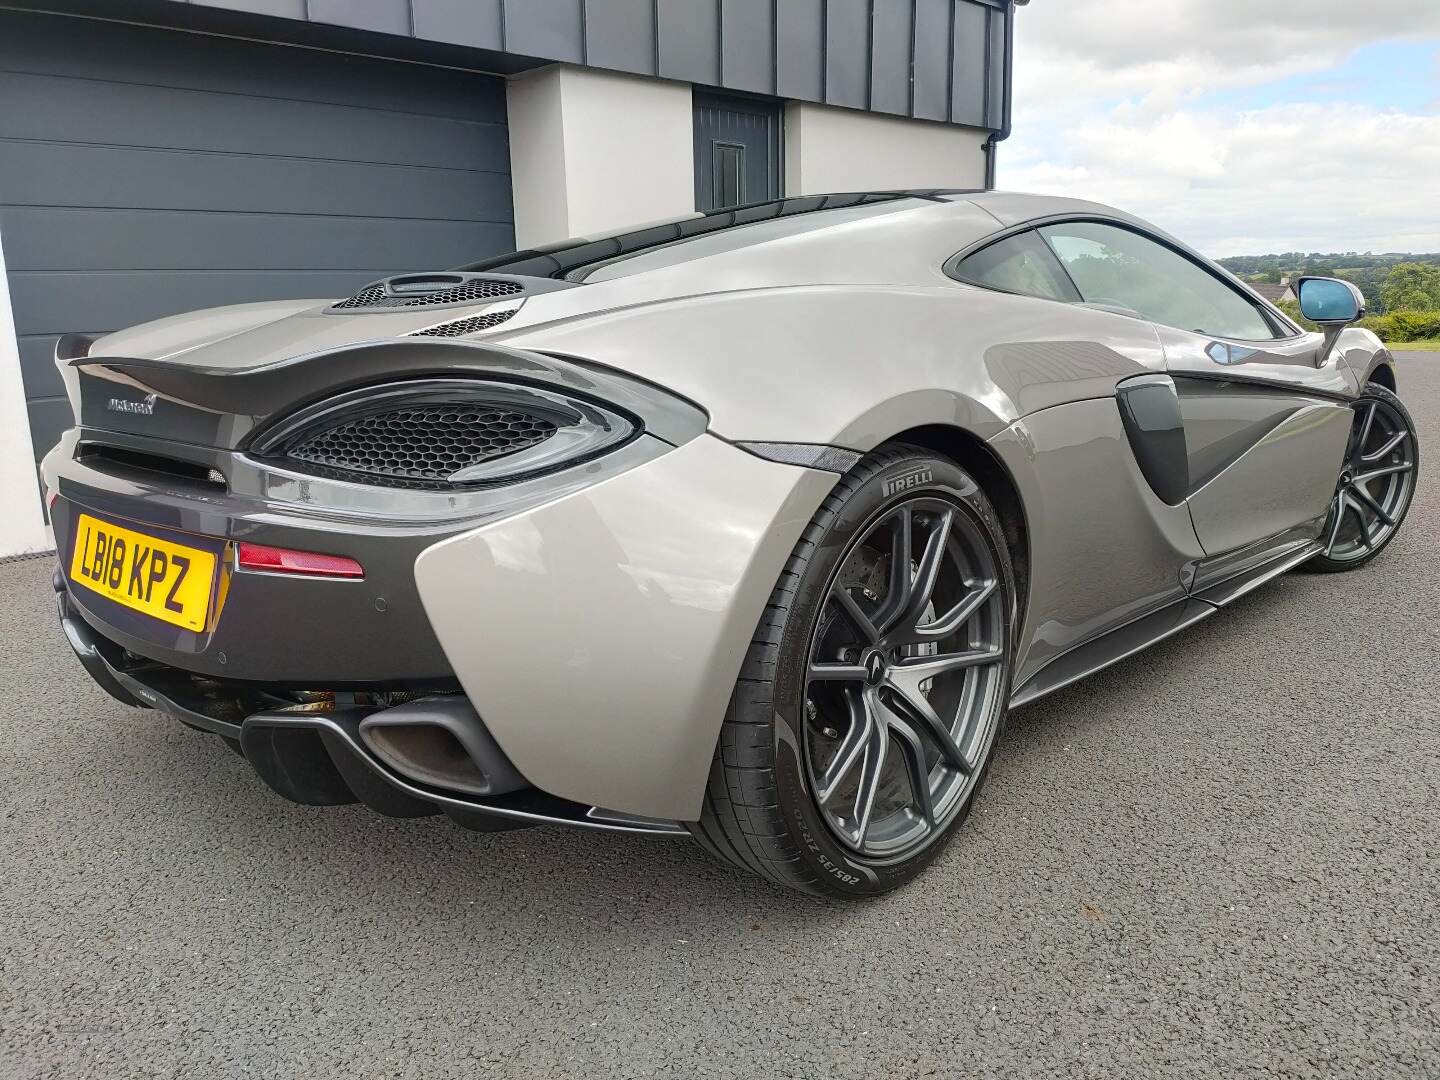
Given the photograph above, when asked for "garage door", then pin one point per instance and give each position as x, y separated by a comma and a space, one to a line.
145, 172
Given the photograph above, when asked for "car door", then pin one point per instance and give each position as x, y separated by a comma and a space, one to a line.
1265, 428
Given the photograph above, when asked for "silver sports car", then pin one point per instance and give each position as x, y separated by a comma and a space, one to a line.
749, 526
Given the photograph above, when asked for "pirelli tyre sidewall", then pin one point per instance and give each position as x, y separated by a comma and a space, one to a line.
901, 474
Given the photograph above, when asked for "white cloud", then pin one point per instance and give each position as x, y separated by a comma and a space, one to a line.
1111, 104
1071, 52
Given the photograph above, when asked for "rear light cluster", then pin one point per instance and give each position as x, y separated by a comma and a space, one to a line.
274, 560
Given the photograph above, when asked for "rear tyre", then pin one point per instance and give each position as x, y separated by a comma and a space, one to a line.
1376, 486
865, 716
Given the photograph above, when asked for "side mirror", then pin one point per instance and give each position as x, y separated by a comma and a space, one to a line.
1330, 301
1332, 304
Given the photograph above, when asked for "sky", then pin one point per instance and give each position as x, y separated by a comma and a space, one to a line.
1242, 126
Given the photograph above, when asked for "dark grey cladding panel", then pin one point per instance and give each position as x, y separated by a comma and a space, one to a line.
284, 9
999, 79
747, 38
126, 178
971, 49
620, 35
549, 29
688, 32
932, 59
800, 49
62, 110
847, 51
46, 303
89, 48
890, 58
384, 16
54, 238
49, 418
145, 172
37, 366
476, 23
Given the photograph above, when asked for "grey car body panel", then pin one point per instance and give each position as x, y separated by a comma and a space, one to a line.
643, 593
1244, 503
1120, 552
649, 575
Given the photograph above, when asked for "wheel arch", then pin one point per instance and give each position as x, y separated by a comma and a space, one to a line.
971, 453
1384, 374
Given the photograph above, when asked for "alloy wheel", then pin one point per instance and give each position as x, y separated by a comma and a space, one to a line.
1376, 482
905, 681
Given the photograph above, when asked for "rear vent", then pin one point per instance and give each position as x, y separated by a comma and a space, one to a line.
467, 292
421, 445
460, 327
135, 464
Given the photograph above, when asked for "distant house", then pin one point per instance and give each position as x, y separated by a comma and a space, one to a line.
1273, 293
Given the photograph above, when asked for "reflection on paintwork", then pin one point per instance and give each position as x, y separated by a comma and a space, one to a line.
1120, 551
1224, 353
649, 586
1244, 503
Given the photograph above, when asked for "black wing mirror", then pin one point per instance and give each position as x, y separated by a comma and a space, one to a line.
1332, 304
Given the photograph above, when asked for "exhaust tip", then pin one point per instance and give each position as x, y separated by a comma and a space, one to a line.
427, 753
441, 743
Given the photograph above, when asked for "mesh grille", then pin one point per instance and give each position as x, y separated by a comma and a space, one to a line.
461, 327
421, 443
373, 296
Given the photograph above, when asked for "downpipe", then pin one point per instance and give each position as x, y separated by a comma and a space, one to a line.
1006, 114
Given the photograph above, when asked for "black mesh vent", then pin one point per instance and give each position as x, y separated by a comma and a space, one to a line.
421, 445
461, 327
374, 296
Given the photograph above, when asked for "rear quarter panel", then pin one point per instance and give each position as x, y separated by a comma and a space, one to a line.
853, 365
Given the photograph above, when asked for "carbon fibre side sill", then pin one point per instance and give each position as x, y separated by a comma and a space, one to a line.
1232, 589
1110, 648
1125, 641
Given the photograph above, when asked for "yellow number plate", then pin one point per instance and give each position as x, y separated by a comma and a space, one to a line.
164, 580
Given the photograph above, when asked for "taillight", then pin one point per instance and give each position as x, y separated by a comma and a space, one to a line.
273, 560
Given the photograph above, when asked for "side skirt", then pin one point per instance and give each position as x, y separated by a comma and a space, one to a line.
1138, 635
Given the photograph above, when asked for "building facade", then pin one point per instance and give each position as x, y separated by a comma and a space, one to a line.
158, 156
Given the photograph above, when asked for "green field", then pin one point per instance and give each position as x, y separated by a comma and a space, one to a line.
1432, 345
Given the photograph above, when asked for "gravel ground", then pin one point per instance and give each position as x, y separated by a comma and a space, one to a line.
1220, 858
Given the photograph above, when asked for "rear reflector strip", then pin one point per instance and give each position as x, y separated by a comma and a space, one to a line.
273, 560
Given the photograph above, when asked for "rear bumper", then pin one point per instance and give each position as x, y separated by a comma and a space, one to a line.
598, 626
319, 756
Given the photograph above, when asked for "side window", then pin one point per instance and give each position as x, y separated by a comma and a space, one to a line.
1110, 265
1018, 264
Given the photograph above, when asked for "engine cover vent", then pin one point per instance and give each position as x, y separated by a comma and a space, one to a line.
429, 291
460, 327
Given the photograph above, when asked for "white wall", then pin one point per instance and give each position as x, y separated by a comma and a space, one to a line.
834, 149
593, 151
22, 525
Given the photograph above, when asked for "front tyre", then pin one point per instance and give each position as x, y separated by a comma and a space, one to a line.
1376, 486
866, 712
